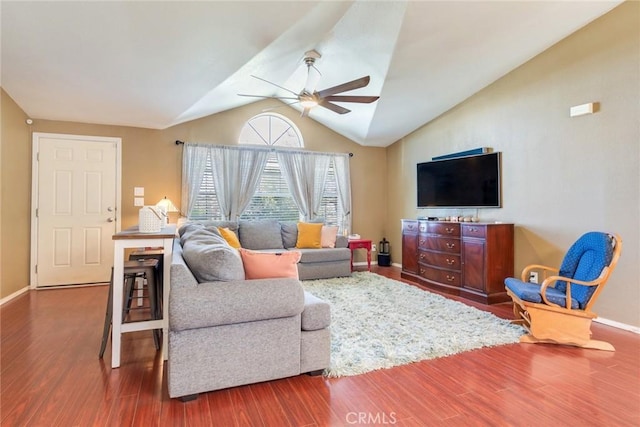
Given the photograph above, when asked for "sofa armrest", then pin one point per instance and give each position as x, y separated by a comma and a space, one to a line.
181, 275
342, 241
225, 303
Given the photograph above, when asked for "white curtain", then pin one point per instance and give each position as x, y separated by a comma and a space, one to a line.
194, 162
343, 180
236, 175
305, 173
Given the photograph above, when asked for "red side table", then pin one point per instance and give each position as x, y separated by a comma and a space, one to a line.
360, 244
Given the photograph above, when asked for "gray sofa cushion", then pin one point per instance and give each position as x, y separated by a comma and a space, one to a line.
262, 234
209, 256
238, 302
342, 241
324, 255
316, 314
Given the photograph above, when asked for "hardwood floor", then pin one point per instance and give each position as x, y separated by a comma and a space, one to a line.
51, 376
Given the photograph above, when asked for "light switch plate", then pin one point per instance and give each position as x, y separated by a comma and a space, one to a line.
138, 191
138, 201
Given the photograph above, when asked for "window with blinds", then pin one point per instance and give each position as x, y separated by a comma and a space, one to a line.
272, 198
330, 208
206, 206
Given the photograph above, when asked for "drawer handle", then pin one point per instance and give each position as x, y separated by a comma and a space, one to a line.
421, 241
448, 230
421, 256
410, 226
450, 278
473, 229
422, 271
451, 245
451, 261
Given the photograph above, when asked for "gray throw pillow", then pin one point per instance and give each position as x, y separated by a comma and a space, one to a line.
261, 234
209, 256
289, 234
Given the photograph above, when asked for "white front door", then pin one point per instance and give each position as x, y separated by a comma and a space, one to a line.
76, 181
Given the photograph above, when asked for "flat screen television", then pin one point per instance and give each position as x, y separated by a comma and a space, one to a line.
460, 182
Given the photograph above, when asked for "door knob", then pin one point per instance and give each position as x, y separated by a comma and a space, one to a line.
109, 209
110, 219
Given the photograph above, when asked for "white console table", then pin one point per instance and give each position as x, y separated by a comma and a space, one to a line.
133, 238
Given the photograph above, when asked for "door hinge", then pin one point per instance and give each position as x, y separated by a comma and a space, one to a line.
36, 268
36, 212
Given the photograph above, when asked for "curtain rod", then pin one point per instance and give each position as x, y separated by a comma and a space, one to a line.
178, 142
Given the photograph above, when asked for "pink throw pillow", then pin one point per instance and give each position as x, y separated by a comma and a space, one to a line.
265, 265
328, 236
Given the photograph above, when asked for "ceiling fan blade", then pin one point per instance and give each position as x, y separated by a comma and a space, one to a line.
345, 87
333, 107
268, 97
276, 85
343, 98
279, 106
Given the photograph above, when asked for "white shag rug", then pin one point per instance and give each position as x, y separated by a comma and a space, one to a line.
378, 323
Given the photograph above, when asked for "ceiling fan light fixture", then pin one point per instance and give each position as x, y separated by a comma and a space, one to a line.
309, 103
308, 100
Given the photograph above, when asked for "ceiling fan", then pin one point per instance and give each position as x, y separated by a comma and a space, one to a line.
308, 97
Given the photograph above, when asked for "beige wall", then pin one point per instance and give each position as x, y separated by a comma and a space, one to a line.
15, 193
150, 159
562, 176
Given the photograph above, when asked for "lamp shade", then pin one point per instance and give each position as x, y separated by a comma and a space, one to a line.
168, 205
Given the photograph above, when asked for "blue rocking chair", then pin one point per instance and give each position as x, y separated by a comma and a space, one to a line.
558, 310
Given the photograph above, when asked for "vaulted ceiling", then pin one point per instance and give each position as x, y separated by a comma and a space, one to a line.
157, 64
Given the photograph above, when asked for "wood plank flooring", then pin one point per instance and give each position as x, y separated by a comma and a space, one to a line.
51, 376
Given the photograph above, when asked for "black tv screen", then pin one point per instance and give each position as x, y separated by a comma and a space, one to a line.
470, 181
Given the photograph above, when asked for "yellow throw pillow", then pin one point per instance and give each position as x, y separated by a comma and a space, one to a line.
309, 235
230, 237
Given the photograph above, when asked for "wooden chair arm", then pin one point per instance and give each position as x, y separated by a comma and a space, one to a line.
525, 272
552, 279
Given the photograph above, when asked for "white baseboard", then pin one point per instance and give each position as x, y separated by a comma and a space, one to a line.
623, 326
14, 295
364, 263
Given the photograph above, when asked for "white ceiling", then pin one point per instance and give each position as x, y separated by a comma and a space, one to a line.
157, 64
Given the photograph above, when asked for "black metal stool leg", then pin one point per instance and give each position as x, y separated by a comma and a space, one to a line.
153, 302
107, 318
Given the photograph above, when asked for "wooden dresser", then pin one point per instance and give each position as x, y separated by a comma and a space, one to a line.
466, 259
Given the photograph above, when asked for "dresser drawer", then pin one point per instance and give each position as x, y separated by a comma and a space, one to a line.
444, 228
469, 230
450, 278
441, 244
442, 260
409, 227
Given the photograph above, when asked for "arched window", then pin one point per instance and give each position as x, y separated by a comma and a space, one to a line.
272, 198
271, 129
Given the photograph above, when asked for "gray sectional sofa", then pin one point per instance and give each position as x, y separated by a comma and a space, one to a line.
230, 331
274, 236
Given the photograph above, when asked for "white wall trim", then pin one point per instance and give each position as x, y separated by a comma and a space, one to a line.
14, 295
619, 325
